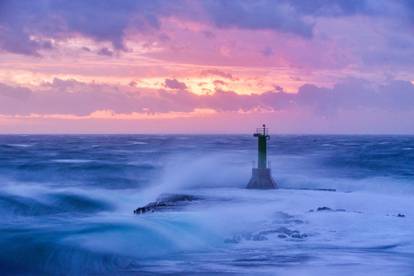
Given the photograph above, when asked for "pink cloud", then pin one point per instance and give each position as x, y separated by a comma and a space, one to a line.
175, 84
313, 108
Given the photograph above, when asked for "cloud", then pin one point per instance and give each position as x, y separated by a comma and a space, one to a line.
25, 24
257, 15
111, 115
27, 27
356, 94
267, 52
105, 52
333, 8
73, 97
216, 72
16, 93
351, 106
175, 84
219, 82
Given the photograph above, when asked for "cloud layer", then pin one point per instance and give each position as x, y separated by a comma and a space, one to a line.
336, 63
29, 26
73, 97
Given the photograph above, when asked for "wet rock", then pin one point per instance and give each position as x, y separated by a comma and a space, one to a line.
254, 237
281, 232
177, 198
284, 232
246, 236
324, 208
298, 236
167, 202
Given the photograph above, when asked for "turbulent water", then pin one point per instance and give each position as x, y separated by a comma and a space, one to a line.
66, 205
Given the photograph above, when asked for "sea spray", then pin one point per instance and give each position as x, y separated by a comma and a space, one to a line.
77, 217
185, 172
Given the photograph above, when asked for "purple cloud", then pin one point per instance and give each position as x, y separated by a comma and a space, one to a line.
218, 73
27, 26
257, 15
100, 20
105, 52
73, 97
175, 84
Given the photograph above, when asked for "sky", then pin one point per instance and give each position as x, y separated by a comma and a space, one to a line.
207, 66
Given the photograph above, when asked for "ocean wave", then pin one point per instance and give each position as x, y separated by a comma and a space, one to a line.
76, 217
51, 204
20, 145
139, 143
72, 161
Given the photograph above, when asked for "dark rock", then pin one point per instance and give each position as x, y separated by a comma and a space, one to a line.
287, 231
324, 208
246, 236
176, 198
298, 236
167, 202
282, 233
401, 215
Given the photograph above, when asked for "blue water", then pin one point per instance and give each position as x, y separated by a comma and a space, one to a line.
66, 205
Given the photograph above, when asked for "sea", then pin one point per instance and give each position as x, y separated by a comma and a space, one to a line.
344, 205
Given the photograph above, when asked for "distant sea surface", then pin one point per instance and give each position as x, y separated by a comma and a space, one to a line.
345, 205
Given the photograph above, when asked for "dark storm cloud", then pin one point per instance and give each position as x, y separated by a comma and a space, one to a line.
333, 8
101, 20
27, 26
257, 15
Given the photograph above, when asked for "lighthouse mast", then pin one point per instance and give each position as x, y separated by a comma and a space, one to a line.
262, 137
261, 176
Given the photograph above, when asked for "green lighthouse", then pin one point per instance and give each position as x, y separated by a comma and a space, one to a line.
261, 176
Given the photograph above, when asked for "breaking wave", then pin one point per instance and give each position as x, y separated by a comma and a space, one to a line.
345, 205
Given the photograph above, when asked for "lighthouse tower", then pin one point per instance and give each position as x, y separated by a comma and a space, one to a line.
261, 176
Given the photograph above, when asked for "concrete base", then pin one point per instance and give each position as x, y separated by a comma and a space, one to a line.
261, 179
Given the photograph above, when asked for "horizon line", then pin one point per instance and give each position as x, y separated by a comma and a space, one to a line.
201, 134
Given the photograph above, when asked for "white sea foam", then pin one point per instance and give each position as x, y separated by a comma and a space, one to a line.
360, 230
72, 161
139, 143
75, 218
20, 145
